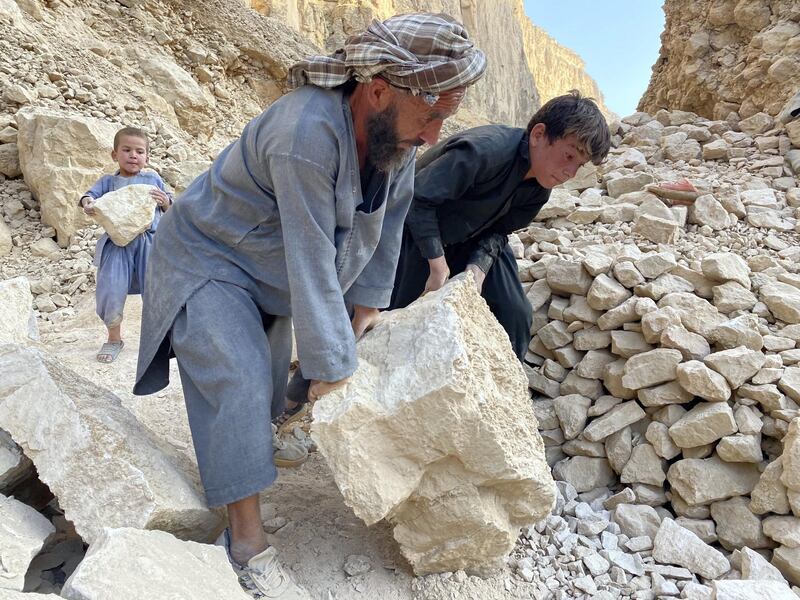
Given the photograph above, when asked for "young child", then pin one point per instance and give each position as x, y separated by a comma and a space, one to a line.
121, 269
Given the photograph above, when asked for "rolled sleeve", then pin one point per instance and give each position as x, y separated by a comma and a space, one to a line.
306, 203
373, 287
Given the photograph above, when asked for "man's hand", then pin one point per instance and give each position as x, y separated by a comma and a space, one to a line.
87, 204
440, 272
161, 198
317, 389
478, 275
364, 319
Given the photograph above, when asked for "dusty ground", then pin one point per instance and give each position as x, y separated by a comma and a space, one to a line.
321, 531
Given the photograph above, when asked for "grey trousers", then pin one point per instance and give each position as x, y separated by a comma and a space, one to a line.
234, 362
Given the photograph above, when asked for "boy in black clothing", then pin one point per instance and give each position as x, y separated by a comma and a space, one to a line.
473, 189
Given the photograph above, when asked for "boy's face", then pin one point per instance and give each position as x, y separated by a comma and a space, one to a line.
130, 154
554, 163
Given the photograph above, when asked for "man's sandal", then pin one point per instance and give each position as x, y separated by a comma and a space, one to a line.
110, 350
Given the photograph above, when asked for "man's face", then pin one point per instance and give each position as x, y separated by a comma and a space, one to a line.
130, 154
553, 163
408, 122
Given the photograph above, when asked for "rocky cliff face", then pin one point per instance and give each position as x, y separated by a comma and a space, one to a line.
527, 67
719, 56
555, 69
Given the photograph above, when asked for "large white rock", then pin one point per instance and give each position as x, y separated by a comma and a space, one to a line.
677, 545
737, 526
726, 266
703, 481
698, 379
436, 432
737, 365
105, 468
132, 564
769, 495
125, 213
62, 155
193, 105
18, 322
755, 566
23, 533
651, 368
783, 301
705, 423
749, 589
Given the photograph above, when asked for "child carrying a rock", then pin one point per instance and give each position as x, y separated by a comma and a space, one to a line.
121, 269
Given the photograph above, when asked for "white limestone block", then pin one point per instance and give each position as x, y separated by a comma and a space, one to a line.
105, 468
435, 432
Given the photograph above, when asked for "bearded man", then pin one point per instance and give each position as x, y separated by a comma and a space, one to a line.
299, 219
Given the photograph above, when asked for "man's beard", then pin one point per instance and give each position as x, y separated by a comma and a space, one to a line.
383, 143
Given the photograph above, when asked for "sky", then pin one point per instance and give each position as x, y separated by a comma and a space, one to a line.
617, 39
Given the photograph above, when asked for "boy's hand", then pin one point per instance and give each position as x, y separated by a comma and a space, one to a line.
160, 197
87, 204
439, 274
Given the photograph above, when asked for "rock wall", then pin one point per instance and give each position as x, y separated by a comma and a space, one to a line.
555, 68
527, 67
721, 56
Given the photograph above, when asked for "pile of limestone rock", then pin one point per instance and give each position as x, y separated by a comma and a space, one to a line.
665, 364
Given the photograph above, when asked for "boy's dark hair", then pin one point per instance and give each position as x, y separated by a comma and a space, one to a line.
574, 114
134, 132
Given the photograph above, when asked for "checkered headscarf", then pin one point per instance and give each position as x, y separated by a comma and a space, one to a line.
425, 53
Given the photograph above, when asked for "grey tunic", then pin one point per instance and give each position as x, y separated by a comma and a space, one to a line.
276, 215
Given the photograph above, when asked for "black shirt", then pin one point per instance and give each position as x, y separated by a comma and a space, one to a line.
471, 187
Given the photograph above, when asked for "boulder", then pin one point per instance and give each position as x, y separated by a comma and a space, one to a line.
677, 545
193, 105
749, 589
18, 325
755, 566
651, 368
705, 480
726, 266
105, 468
184, 569
737, 526
637, 520
737, 365
699, 380
568, 277
788, 561
707, 211
476, 472
62, 154
584, 473
614, 420
125, 213
783, 301
23, 533
705, 423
